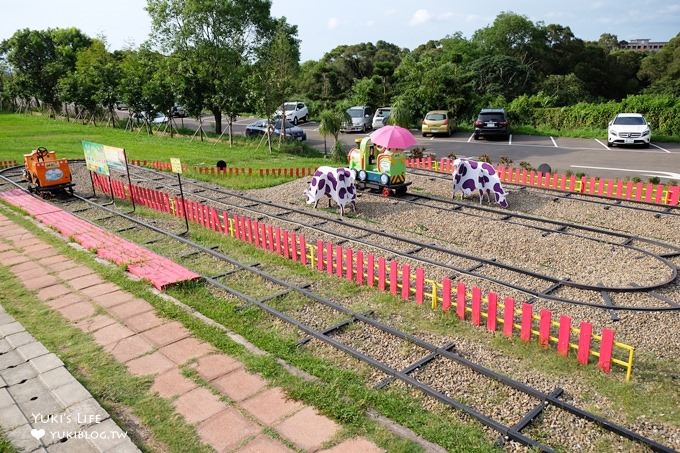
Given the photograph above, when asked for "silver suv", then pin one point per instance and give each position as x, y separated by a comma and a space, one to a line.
361, 117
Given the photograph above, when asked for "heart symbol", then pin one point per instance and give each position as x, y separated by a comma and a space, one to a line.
37, 433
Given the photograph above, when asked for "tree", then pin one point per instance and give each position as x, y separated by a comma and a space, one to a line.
662, 69
329, 124
564, 89
213, 38
39, 58
512, 35
275, 71
608, 42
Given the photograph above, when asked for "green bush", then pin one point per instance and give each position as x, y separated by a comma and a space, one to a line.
662, 112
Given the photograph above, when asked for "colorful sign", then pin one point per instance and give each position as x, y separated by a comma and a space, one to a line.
176, 165
115, 158
95, 159
103, 158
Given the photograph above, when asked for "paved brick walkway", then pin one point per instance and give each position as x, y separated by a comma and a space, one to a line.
238, 410
42, 406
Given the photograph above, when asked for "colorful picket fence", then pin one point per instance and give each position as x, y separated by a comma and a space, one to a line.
483, 310
8, 163
607, 188
296, 172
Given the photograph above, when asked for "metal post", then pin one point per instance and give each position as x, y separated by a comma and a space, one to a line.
94, 192
127, 169
113, 201
184, 208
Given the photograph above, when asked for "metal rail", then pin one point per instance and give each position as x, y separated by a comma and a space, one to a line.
588, 198
492, 262
509, 432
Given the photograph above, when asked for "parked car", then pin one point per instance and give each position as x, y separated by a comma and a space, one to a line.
178, 111
438, 122
361, 117
380, 117
121, 105
629, 129
259, 127
295, 111
159, 118
491, 123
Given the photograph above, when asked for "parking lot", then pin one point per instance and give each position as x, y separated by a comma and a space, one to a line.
586, 155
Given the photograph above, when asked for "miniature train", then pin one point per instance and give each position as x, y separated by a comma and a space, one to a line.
378, 168
45, 173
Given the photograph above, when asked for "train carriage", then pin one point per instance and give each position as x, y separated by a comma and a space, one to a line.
45, 173
378, 168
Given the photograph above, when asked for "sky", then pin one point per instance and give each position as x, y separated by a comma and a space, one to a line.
325, 24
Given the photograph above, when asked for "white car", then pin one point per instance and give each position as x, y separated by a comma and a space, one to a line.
295, 111
381, 116
629, 129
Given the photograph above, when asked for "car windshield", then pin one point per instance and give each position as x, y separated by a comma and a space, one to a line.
277, 125
383, 112
629, 120
491, 116
436, 117
356, 113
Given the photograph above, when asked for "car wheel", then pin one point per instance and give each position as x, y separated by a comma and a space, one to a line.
646, 145
610, 144
424, 134
295, 121
363, 129
476, 136
304, 118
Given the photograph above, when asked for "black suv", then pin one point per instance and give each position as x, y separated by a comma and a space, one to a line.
491, 122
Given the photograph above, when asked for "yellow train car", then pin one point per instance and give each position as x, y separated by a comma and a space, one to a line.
45, 173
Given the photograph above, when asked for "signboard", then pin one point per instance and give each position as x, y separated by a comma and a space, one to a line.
95, 159
176, 165
115, 158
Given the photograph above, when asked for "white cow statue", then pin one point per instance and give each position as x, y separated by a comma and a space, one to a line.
335, 183
470, 176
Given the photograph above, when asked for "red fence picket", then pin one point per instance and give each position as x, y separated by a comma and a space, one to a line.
476, 306
527, 320
544, 328
405, 281
446, 294
420, 285
460, 300
491, 312
583, 352
606, 350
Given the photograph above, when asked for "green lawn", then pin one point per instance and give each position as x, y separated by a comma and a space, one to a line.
19, 134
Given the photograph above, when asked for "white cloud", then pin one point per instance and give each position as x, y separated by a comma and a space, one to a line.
446, 15
332, 23
370, 23
420, 17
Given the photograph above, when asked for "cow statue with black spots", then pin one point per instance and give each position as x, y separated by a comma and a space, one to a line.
471, 176
335, 183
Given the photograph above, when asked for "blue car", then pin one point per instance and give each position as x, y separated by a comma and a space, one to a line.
259, 127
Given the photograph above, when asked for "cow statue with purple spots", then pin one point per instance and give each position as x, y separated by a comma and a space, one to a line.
470, 176
335, 183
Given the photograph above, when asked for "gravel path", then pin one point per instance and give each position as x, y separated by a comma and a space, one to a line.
577, 257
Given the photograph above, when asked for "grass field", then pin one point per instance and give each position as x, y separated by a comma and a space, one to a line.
19, 134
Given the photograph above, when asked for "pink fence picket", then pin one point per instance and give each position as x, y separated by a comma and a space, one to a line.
491, 312
381, 273
393, 277
446, 294
329, 258
319, 255
370, 270
564, 336
476, 306
583, 352
360, 267
460, 300
420, 285
527, 319
338, 260
606, 349
349, 273
405, 281
303, 250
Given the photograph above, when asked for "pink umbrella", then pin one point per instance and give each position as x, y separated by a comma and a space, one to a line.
393, 137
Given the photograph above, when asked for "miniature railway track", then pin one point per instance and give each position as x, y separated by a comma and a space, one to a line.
638, 206
364, 234
528, 416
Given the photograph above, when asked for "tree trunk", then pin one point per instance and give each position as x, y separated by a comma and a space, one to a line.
231, 130
218, 120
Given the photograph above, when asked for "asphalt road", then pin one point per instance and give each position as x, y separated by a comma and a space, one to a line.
590, 156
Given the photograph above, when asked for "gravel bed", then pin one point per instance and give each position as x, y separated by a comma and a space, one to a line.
576, 256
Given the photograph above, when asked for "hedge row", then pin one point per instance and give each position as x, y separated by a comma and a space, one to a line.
662, 112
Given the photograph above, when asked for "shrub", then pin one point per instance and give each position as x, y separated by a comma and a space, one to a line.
484, 158
452, 156
504, 160
636, 179
526, 165
655, 180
